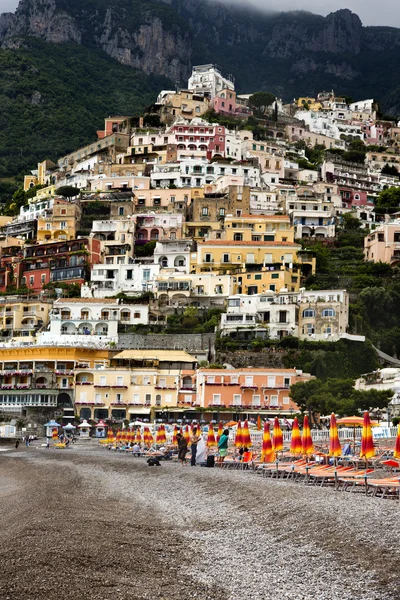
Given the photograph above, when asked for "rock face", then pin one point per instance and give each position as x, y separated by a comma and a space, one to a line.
165, 37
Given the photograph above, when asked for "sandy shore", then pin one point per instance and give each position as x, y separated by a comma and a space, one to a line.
86, 523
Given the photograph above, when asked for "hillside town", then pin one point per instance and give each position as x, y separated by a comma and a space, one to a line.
126, 244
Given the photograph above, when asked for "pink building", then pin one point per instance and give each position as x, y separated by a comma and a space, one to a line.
383, 243
199, 135
225, 104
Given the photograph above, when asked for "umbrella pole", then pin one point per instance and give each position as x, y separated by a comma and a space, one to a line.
335, 471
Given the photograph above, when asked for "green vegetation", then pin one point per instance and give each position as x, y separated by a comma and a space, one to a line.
68, 191
338, 396
53, 98
193, 320
18, 199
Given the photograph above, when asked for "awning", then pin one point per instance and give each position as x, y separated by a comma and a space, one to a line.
139, 411
161, 355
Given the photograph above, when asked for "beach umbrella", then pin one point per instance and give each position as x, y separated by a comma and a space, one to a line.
147, 437
239, 436
267, 453
54, 434
160, 436
110, 436
259, 423
186, 434
220, 430
246, 439
396, 452
335, 448
174, 436
295, 444
211, 441
118, 436
137, 438
278, 436
367, 443
354, 423
306, 440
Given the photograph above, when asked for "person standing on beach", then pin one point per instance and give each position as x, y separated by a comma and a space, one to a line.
194, 439
182, 448
17, 444
223, 446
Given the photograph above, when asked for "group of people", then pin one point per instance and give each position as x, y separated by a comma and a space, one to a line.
198, 447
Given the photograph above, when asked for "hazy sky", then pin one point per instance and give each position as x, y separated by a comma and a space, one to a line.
371, 12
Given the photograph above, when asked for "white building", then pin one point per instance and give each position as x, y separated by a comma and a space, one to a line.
35, 209
89, 321
117, 237
311, 214
128, 278
209, 80
196, 289
197, 173
173, 254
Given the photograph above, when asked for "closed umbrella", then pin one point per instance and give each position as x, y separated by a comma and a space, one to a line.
246, 439
160, 436
211, 441
396, 452
267, 453
148, 437
54, 434
259, 423
110, 436
174, 436
138, 436
220, 430
239, 436
295, 444
367, 443
278, 436
306, 440
335, 448
186, 434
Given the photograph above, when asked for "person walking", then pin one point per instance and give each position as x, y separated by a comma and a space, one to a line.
17, 444
182, 448
194, 439
223, 446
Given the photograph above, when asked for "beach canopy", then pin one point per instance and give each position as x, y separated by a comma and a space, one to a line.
220, 430
367, 443
354, 422
211, 441
306, 440
267, 453
246, 439
335, 448
396, 452
52, 424
278, 436
239, 436
295, 444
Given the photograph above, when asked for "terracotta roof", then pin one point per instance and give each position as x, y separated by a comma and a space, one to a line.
162, 355
86, 301
255, 244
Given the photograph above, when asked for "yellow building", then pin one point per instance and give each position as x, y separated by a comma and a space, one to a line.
259, 228
139, 383
43, 376
22, 318
273, 278
60, 223
312, 103
40, 177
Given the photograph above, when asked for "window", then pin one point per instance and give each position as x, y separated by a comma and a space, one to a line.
204, 211
283, 316
274, 400
234, 302
238, 237
256, 401
120, 380
271, 381
249, 380
308, 313
162, 382
43, 278
136, 315
237, 399
125, 315
221, 212
31, 280
129, 274
328, 312
146, 380
158, 400
217, 399
119, 397
225, 258
286, 382
147, 399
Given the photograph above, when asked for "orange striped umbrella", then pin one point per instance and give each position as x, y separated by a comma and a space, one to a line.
54, 434
306, 440
174, 438
220, 430
278, 436
110, 436
295, 444
118, 436
124, 436
267, 453
211, 441
186, 434
138, 436
160, 436
396, 452
239, 435
335, 448
246, 439
148, 437
367, 443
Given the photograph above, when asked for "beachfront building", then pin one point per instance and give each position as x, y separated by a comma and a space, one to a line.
143, 384
88, 321
244, 393
42, 377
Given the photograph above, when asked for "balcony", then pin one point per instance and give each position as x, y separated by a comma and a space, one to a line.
249, 387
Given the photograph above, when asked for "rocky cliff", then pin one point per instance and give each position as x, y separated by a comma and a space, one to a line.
284, 52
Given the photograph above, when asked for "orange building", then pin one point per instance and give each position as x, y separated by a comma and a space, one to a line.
248, 391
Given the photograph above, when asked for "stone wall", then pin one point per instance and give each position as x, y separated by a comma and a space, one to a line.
190, 342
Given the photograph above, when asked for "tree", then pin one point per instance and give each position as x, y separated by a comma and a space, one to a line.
260, 101
349, 221
68, 191
390, 170
389, 198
